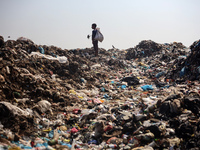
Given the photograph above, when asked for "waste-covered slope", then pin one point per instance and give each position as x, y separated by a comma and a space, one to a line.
52, 98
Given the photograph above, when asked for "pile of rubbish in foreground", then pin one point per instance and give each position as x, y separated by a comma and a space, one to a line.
142, 98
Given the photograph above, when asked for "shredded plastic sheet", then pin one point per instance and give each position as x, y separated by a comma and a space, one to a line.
14, 110
61, 59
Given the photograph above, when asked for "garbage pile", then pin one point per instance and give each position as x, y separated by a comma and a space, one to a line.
69, 99
148, 48
189, 67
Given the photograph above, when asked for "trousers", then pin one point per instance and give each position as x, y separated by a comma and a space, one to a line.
95, 45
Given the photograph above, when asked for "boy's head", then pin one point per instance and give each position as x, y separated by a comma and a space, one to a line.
94, 25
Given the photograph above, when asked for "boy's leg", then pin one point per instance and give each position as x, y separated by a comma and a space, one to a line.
96, 48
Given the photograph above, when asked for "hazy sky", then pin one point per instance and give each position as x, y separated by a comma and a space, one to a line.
124, 23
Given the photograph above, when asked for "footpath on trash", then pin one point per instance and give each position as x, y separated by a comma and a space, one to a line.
141, 98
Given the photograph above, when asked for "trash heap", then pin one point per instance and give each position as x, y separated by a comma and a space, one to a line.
68, 99
149, 48
189, 67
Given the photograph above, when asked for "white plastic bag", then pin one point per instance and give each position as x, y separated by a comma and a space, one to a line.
61, 59
99, 35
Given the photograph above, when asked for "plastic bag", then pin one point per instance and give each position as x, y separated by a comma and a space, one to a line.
99, 36
147, 87
61, 59
182, 72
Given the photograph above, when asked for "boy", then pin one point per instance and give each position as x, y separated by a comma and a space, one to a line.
94, 42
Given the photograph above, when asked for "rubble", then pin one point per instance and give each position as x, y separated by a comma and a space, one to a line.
146, 97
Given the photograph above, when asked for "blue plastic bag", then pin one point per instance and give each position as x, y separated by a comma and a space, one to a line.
147, 87
41, 50
182, 72
158, 75
123, 86
92, 142
102, 89
106, 96
51, 134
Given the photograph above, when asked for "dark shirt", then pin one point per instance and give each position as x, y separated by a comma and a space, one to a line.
93, 34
